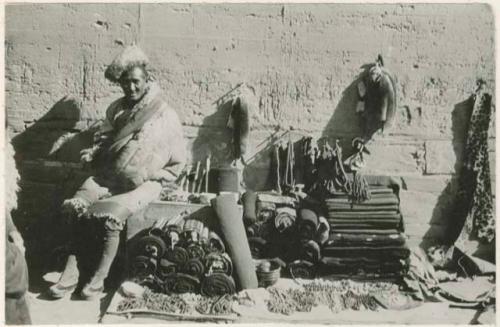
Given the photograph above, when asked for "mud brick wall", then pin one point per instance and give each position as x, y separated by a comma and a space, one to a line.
300, 61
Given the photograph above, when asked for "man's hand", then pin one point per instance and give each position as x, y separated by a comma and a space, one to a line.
86, 155
18, 241
163, 175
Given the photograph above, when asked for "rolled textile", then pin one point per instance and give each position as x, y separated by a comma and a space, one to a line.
217, 284
363, 214
360, 207
215, 243
249, 201
310, 251
344, 239
231, 225
389, 252
258, 247
143, 266
166, 268
149, 245
378, 200
195, 251
177, 255
265, 210
218, 263
194, 267
323, 232
186, 284
285, 218
302, 269
308, 223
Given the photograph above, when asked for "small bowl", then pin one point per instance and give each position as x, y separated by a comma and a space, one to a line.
268, 272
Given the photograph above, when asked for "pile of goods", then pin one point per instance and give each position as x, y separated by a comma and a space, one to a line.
334, 222
182, 255
366, 238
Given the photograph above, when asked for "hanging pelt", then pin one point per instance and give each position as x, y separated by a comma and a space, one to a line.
239, 121
377, 98
475, 199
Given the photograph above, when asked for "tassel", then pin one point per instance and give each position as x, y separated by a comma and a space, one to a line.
359, 188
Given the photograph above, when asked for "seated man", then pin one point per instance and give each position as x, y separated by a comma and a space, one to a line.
138, 147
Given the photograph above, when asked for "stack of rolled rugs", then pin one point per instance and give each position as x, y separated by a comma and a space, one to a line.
182, 255
366, 239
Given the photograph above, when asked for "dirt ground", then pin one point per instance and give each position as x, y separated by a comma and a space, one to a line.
72, 310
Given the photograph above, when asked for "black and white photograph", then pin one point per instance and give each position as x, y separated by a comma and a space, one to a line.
250, 162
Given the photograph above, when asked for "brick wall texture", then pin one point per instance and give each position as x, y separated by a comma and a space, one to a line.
299, 60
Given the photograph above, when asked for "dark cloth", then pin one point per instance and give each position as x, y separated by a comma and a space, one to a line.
363, 214
307, 224
249, 199
344, 239
335, 226
342, 266
356, 231
310, 251
387, 252
218, 284
231, 225
302, 269
360, 207
367, 220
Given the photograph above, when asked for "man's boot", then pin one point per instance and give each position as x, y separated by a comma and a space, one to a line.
68, 281
110, 248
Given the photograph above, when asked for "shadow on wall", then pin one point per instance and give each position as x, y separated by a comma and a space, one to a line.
214, 137
444, 225
345, 124
44, 184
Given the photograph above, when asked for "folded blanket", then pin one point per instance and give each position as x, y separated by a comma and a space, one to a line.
388, 252
307, 224
218, 263
231, 225
387, 199
335, 227
249, 199
367, 261
366, 220
360, 207
356, 231
363, 214
374, 192
337, 266
302, 269
346, 239
177, 255
217, 284
194, 267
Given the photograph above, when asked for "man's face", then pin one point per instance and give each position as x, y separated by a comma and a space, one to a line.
133, 82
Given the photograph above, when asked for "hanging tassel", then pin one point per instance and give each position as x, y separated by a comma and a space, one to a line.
359, 188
